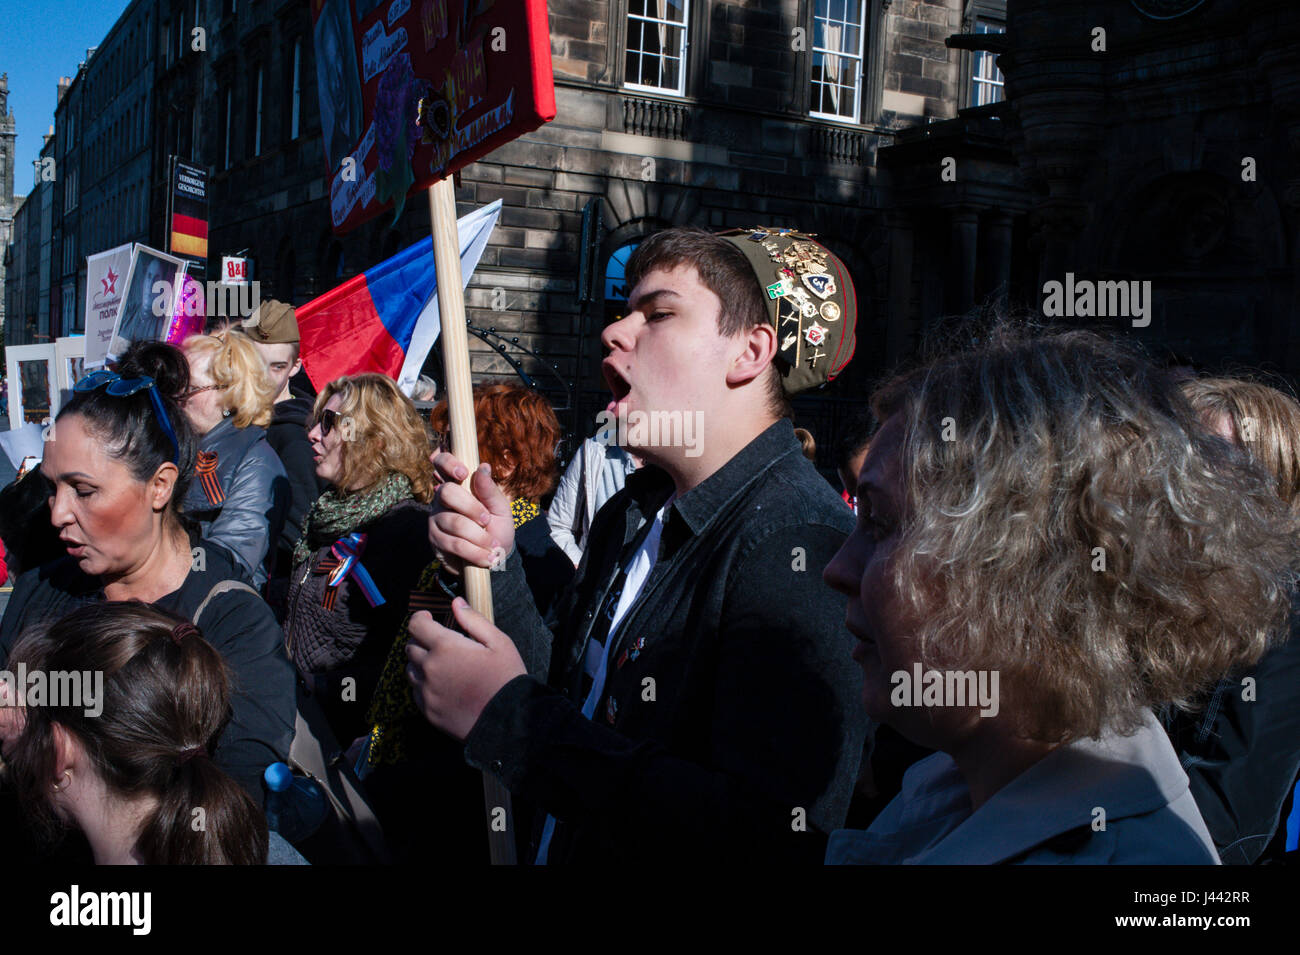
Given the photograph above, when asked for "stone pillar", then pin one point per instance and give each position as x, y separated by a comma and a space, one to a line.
962, 256
901, 332
997, 267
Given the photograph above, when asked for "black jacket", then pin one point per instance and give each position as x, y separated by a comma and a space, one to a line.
1242, 752
287, 435
237, 623
737, 727
547, 569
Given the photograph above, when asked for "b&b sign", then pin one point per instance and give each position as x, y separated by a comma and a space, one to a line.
234, 271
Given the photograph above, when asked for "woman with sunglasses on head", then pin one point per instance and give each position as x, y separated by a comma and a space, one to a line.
120, 457
240, 493
364, 545
134, 773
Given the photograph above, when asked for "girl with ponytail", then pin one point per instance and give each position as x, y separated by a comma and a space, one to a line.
133, 771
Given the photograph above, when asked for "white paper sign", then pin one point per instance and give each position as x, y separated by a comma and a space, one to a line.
152, 285
234, 271
105, 289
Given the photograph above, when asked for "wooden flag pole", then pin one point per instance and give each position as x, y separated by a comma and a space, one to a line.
464, 439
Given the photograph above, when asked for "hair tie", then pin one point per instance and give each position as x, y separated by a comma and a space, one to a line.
183, 630
190, 753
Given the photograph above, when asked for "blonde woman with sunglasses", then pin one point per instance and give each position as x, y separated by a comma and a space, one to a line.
364, 545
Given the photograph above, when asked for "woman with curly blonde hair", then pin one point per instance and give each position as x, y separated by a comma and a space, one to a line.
1049, 545
364, 543
240, 492
517, 433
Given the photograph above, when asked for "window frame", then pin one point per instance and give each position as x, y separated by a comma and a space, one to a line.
295, 91
872, 81
259, 89
993, 12
226, 124
860, 86
686, 47
70, 190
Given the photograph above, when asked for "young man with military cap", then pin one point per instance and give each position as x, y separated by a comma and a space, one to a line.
702, 702
273, 328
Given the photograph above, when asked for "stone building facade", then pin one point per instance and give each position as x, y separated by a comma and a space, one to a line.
952, 165
101, 187
8, 201
27, 260
728, 118
1153, 141
1174, 158
710, 112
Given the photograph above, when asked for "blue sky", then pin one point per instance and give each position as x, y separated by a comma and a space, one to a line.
39, 42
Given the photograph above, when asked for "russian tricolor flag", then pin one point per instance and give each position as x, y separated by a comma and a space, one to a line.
386, 319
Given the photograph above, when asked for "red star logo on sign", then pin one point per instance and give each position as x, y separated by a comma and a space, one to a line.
109, 282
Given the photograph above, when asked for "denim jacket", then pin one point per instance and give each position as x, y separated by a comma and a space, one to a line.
730, 721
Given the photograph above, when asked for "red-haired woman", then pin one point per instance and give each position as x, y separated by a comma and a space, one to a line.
517, 435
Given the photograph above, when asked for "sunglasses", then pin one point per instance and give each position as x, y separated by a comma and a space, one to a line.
329, 419
120, 387
185, 396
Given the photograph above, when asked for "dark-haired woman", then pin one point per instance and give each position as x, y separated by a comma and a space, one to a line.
132, 772
120, 457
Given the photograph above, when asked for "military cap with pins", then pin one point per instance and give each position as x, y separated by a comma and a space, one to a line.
810, 300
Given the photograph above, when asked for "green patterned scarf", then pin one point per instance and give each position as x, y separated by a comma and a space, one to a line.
337, 514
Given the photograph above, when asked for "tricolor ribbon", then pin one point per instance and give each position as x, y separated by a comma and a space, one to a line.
348, 550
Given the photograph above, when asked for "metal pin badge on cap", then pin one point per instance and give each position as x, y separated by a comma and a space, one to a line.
810, 300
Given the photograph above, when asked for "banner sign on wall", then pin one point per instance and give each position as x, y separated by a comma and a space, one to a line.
187, 234
234, 271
